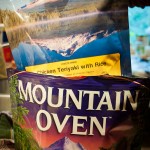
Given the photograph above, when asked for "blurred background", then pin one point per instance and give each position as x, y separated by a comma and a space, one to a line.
6, 61
139, 23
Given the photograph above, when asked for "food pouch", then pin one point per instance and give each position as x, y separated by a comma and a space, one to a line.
46, 31
90, 113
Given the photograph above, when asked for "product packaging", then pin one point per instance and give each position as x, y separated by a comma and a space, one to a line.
90, 113
45, 32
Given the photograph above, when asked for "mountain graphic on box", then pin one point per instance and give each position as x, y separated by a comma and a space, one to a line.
65, 144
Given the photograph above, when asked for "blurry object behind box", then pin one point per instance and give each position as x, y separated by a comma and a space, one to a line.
2, 65
2, 60
140, 40
6, 58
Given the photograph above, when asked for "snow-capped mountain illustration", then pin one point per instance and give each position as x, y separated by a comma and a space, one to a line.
65, 144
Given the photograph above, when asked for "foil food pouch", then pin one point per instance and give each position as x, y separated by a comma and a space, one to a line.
42, 32
92, 113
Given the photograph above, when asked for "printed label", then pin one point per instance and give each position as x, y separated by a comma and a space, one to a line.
91, 66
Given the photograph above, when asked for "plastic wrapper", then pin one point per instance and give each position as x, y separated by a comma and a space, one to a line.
89, 113
42, 32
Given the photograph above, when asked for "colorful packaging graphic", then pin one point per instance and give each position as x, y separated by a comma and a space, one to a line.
93, 113
48, 31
